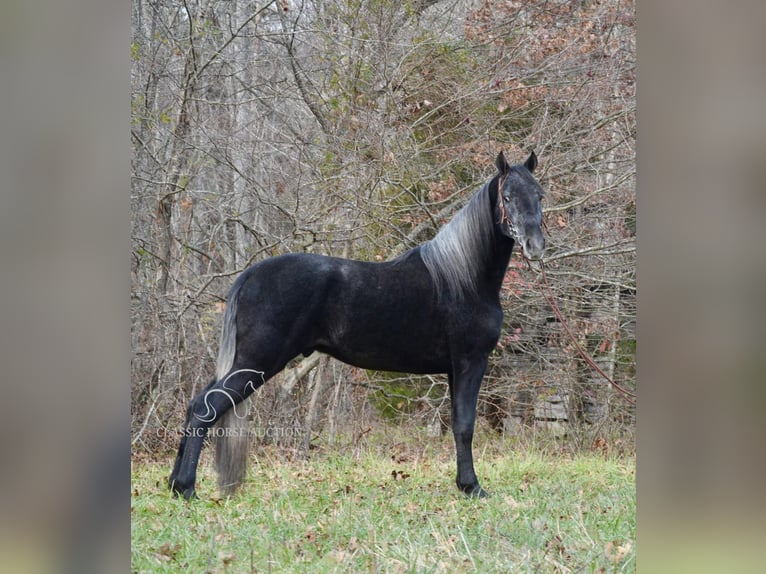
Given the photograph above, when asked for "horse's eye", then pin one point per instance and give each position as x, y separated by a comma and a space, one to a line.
506, 198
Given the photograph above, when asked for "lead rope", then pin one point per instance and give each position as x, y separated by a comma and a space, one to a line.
548, 295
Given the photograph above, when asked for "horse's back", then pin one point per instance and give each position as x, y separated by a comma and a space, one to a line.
373, 315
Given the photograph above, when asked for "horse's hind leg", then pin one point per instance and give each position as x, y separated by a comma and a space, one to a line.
182, 447
203, 411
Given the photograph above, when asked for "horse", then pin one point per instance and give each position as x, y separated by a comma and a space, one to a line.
435, 309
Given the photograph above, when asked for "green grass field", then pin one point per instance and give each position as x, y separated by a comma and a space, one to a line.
393, 508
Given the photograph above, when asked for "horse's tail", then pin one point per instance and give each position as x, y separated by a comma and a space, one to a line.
232, 444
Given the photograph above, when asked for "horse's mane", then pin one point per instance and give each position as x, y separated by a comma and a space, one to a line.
458, 254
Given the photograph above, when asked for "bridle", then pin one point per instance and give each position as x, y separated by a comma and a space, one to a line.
500, 203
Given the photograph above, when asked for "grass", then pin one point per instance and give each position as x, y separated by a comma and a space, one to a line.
393, 508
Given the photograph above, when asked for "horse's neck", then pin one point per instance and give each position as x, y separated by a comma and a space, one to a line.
497, 265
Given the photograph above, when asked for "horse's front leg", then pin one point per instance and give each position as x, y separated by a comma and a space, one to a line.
464, 382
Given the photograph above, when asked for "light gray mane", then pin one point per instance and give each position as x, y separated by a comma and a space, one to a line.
457, 255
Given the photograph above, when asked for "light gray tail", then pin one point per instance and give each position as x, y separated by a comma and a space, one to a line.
232, 443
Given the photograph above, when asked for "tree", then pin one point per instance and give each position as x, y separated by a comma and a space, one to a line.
357, 128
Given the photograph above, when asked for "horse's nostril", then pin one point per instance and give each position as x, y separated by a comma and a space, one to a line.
534, 246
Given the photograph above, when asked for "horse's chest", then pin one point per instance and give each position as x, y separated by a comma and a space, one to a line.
478, 327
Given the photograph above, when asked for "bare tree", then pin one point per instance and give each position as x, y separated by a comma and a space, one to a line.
356, 129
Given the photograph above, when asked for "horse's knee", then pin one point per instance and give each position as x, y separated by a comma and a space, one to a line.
463, 430
196, 410
198, 401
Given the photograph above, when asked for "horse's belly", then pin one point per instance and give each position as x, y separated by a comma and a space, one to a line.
389, 346
384, 360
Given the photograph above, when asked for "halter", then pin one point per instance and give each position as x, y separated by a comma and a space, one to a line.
500, 203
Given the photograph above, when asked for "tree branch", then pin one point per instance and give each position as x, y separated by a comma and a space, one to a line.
298, 76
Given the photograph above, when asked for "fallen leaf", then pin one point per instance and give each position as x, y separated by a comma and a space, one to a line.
616, 552
169, 551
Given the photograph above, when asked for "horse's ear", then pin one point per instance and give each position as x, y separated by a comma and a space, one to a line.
502, 165
531, 162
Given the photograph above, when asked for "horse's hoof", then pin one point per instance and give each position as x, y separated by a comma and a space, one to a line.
188, 493
477, 492
473, 490
178, 490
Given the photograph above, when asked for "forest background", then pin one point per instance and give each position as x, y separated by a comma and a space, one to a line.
356, 129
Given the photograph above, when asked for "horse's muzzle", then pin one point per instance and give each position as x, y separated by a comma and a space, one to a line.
534, 247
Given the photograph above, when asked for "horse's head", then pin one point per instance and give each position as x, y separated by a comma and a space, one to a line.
517, 210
